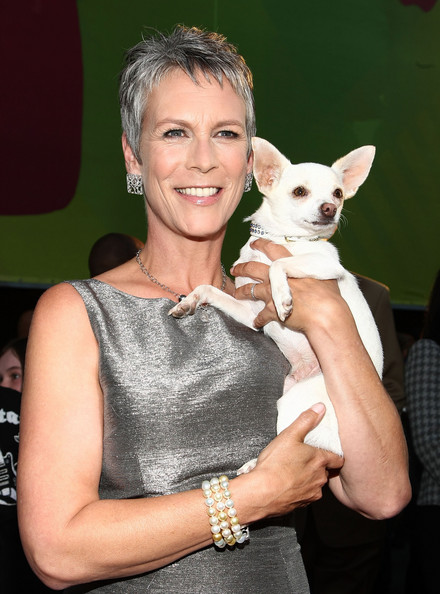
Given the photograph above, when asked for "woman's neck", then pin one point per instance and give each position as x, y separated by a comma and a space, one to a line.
183, 263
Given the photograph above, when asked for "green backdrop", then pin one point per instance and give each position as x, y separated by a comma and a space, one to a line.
329, 77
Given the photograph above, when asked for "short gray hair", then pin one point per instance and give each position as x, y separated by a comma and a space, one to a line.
192, 50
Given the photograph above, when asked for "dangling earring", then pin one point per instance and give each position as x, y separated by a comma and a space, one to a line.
134, 184
248, 182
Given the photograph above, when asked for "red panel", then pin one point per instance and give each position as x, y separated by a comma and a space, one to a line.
41, 105
425, 5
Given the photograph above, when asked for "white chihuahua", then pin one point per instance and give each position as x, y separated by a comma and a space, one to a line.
301, 208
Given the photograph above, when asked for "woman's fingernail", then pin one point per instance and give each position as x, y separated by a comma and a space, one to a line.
318, 407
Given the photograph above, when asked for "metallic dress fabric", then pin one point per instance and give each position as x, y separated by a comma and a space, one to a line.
185, 400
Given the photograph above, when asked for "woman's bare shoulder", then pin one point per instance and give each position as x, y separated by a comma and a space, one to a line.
61, 306
61, 341
61, 289
62, 293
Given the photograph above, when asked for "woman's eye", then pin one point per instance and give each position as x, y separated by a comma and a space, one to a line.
174, 133
228, 134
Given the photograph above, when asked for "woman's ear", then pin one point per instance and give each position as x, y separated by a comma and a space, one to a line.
250, 162
131, 163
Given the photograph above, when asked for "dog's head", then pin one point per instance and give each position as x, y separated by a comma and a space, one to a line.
306, 199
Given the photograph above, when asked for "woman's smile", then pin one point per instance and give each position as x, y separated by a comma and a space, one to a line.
200, 196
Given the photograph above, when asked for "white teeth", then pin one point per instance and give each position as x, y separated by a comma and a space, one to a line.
199, 192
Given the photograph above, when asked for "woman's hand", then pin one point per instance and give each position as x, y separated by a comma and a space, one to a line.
313, 300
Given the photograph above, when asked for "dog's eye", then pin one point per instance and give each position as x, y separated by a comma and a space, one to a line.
300, 191
338, 193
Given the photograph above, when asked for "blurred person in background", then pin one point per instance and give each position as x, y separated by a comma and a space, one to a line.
16, 575
12, 357
112, 250
422, 384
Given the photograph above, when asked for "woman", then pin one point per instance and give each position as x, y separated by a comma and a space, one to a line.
139, 408
422, 383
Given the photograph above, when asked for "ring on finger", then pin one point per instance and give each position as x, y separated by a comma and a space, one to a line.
252, 292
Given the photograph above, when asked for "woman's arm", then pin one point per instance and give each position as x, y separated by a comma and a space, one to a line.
374, 479
422, 383
71, 536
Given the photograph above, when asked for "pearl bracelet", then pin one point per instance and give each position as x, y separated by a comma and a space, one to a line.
225, 527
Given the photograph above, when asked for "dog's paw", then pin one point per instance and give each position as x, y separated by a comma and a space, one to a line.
282, 299
281, 294
284, 307
186, 307
247, 467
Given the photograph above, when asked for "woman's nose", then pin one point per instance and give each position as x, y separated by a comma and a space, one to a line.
202, 155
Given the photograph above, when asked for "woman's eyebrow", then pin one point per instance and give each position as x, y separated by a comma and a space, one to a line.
185, 123
231, 123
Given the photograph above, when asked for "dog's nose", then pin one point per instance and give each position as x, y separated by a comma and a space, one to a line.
328, 210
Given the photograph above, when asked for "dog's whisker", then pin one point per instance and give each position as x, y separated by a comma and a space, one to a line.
343, 221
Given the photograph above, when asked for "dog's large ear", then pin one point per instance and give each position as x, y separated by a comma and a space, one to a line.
355, 168
269, 164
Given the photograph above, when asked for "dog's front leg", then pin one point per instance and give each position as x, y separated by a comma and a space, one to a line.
241, 311
314, 265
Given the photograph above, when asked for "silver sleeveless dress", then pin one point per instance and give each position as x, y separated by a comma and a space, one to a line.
185, 400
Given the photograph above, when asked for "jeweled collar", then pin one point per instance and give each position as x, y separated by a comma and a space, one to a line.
258, 231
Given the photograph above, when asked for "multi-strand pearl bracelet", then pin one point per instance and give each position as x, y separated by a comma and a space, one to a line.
225, 527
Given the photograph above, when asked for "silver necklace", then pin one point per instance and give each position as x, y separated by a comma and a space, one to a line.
164, 287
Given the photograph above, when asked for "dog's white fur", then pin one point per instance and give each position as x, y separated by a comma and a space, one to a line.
301, 206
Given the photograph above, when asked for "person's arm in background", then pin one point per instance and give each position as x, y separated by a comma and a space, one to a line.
422, 380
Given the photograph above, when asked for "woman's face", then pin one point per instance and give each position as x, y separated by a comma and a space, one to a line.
194, 155
11, 372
